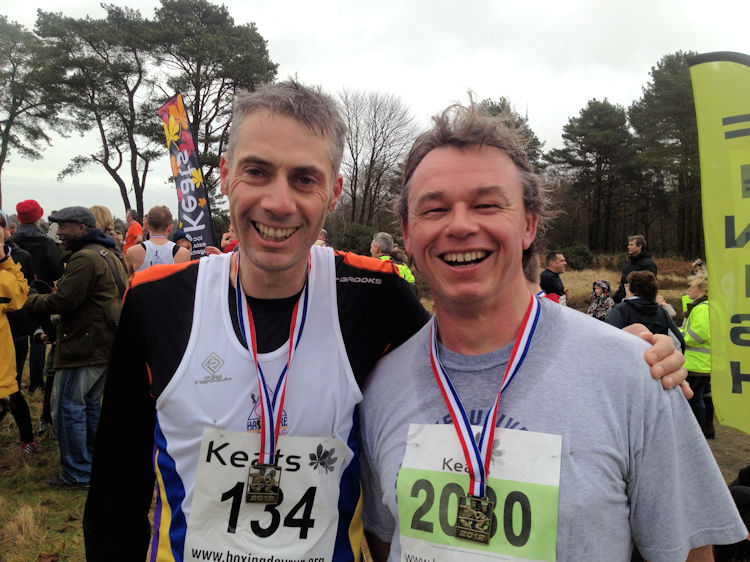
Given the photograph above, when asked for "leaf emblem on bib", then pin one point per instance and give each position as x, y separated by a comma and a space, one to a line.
322, 459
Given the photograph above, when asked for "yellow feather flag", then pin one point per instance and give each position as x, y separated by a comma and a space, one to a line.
721, 89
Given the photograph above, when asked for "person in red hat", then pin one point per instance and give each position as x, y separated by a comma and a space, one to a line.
46, 264
29, 211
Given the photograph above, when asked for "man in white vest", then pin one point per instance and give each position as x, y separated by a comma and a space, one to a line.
158, 249
234, 380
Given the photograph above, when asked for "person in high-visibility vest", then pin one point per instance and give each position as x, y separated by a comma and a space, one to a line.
697, 333
382, 247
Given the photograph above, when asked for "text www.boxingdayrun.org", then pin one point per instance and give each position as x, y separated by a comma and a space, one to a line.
229, 556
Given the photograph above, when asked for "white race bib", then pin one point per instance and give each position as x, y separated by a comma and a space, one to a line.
523, 484
303, 522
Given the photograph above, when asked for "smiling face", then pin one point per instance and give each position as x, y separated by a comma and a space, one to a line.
69, 232
467, 226
280, 184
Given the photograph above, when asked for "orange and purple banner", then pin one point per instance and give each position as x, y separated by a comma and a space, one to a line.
194, 210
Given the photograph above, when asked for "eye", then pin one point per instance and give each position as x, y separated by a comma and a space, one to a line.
306, 180
486, 206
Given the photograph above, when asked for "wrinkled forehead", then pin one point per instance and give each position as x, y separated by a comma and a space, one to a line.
449, 168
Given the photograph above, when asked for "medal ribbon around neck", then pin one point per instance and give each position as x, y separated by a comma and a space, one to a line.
478, 455
272, 408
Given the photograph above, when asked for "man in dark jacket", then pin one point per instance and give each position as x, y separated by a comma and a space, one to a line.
88, 301
638, 260
46, 265
549, 279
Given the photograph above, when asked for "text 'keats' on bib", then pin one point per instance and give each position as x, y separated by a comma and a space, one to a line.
524, 486
302, 522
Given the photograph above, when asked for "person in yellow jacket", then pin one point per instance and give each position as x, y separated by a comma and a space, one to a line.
382, 247
13, 293
697, 333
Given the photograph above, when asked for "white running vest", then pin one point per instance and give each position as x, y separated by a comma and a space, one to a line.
156, 254
215, 386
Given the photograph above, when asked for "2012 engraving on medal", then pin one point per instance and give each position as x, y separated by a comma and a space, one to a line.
474, 519
263, 484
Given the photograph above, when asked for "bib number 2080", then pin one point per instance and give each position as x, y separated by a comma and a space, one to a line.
516, 511
299, 515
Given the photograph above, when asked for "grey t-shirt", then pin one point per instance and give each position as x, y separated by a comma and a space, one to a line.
635, 467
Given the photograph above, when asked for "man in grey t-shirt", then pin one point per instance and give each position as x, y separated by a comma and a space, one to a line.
604, 459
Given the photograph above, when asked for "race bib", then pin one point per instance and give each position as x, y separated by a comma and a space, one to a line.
523, 486
300, 525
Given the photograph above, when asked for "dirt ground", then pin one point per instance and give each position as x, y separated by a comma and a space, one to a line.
731, 449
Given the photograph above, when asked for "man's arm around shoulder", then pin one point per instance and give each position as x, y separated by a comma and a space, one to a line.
115, 521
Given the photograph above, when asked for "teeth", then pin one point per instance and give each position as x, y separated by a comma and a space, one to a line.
271, 233
464, 256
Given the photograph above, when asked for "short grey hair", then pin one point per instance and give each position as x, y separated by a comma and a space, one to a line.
309, 105
462, 126
384, 242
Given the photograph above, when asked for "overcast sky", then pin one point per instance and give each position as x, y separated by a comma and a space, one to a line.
549, 58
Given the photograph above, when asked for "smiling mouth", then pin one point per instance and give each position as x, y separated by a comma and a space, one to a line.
274, 234
464, 258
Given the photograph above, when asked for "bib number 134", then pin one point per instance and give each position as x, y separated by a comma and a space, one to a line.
299, 516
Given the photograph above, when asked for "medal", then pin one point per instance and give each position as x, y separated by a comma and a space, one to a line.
474, 510
265, 475
474, 520
263, 484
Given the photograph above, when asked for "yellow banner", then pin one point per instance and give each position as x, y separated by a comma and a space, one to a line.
721, 88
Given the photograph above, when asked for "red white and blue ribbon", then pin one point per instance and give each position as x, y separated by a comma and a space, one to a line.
478, 455
272, 405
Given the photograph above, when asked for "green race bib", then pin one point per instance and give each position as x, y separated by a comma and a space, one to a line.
523, 485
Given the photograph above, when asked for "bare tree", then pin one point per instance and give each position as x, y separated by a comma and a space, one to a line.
381, 128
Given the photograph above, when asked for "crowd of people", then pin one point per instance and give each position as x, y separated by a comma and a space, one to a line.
283, 398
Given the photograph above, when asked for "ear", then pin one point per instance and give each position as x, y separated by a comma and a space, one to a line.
169, 228
224, 173
529, 235
338, 185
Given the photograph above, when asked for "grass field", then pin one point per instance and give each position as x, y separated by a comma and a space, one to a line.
38, 523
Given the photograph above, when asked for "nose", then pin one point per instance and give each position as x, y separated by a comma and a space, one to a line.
460, 222
278, 199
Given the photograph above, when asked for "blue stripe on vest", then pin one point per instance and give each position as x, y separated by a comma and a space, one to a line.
175, 493
349, 494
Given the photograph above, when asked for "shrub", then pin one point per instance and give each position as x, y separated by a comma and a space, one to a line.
578, 257
355, 238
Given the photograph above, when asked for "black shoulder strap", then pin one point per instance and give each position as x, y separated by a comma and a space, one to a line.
175, 249
113, 268
107, 255
143, 245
